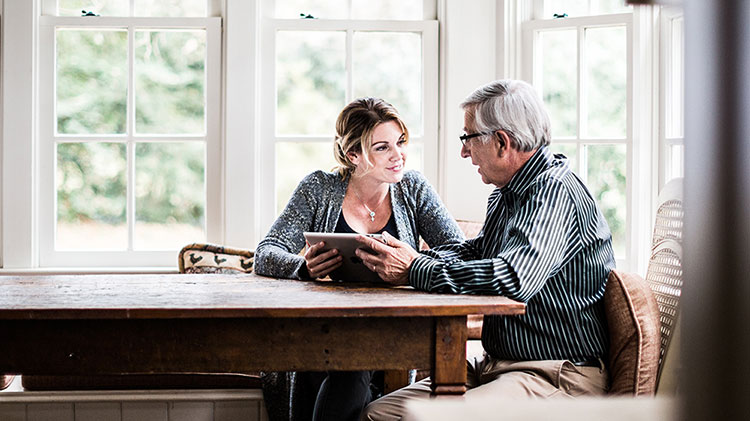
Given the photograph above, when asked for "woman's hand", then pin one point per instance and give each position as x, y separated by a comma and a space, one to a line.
320, 265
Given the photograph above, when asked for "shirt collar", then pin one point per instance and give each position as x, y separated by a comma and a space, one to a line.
540, 161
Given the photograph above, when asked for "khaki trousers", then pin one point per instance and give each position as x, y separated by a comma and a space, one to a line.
488, 379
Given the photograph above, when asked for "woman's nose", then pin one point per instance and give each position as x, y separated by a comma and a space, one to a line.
397, 153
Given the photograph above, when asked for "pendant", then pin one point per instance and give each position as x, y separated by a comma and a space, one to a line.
372, 216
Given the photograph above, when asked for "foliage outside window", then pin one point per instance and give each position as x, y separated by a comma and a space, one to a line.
322, 59
128, 131
579, 64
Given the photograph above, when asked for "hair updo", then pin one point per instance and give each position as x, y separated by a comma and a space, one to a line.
354, 127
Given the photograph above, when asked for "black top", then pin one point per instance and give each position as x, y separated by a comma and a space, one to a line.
390, 226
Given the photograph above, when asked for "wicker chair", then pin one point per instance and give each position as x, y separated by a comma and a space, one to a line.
664, 276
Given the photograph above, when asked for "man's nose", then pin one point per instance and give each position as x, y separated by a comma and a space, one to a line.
465, 150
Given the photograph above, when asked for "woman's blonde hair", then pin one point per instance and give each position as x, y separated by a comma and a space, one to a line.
354, 127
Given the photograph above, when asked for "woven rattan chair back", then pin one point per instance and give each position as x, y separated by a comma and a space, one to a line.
664, 274
669, 214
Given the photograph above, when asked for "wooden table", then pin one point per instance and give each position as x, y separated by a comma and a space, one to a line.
108, 324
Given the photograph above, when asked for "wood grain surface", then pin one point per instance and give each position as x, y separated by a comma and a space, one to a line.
130, 296
211, 323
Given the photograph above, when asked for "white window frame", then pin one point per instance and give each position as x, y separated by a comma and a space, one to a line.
667, 160
31, 238
638, 124
427, 28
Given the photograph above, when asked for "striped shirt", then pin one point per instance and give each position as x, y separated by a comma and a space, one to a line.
544, 242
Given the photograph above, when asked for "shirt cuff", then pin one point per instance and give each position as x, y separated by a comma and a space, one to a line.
420, 273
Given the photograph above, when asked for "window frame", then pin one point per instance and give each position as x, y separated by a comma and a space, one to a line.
427, 28
36, 234
667, 159
530, 30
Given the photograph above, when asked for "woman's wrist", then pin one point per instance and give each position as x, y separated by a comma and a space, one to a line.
303, 273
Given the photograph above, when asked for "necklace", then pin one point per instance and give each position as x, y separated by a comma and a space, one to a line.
370, 211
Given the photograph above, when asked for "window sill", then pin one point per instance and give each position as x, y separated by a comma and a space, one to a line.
87, 270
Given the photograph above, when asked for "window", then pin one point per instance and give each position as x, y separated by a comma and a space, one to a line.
129, 131
671, 104
577, 56
320, 55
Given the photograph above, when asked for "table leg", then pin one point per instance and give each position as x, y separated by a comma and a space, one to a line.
395, 379
449, 366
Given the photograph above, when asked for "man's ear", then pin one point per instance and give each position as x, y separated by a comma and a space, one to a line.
503, 139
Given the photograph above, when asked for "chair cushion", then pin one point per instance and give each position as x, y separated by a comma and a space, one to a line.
633, 319
210, 258
470, 228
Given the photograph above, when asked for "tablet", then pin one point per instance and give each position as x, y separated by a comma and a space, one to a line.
352, 269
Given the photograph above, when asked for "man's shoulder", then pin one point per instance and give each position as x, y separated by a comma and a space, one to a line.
560, 178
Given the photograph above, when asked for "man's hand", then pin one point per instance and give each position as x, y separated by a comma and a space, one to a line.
393, 258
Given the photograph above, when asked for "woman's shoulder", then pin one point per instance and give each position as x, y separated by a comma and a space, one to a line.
319, 180
413, 178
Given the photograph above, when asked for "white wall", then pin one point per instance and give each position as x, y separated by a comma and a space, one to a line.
468, 59
185, 405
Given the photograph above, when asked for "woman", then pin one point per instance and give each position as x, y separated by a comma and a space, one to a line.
369, 192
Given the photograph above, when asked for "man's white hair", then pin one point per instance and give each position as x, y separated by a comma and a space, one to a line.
514, 107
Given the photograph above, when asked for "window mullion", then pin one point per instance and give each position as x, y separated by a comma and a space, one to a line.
130, 147
582, 105
349, 94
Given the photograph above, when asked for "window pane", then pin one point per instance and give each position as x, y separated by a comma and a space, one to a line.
91, 81
99, 7
322, 9
414, 156
676, 166
602, 7
606, 82
296, 160
310, 81
559, 80
576, 8
170, 78
170, 8
91, 196
674, 101
570, 151
387, 9
606, 181
569, 7
389, 66
170, 195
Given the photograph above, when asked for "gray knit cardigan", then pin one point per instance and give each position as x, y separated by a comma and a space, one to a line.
316, 205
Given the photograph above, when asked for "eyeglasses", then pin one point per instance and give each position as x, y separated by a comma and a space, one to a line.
466, 137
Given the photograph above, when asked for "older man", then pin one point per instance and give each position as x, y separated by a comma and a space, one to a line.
544, 242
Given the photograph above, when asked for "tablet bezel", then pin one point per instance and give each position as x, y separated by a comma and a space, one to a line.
352, 268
